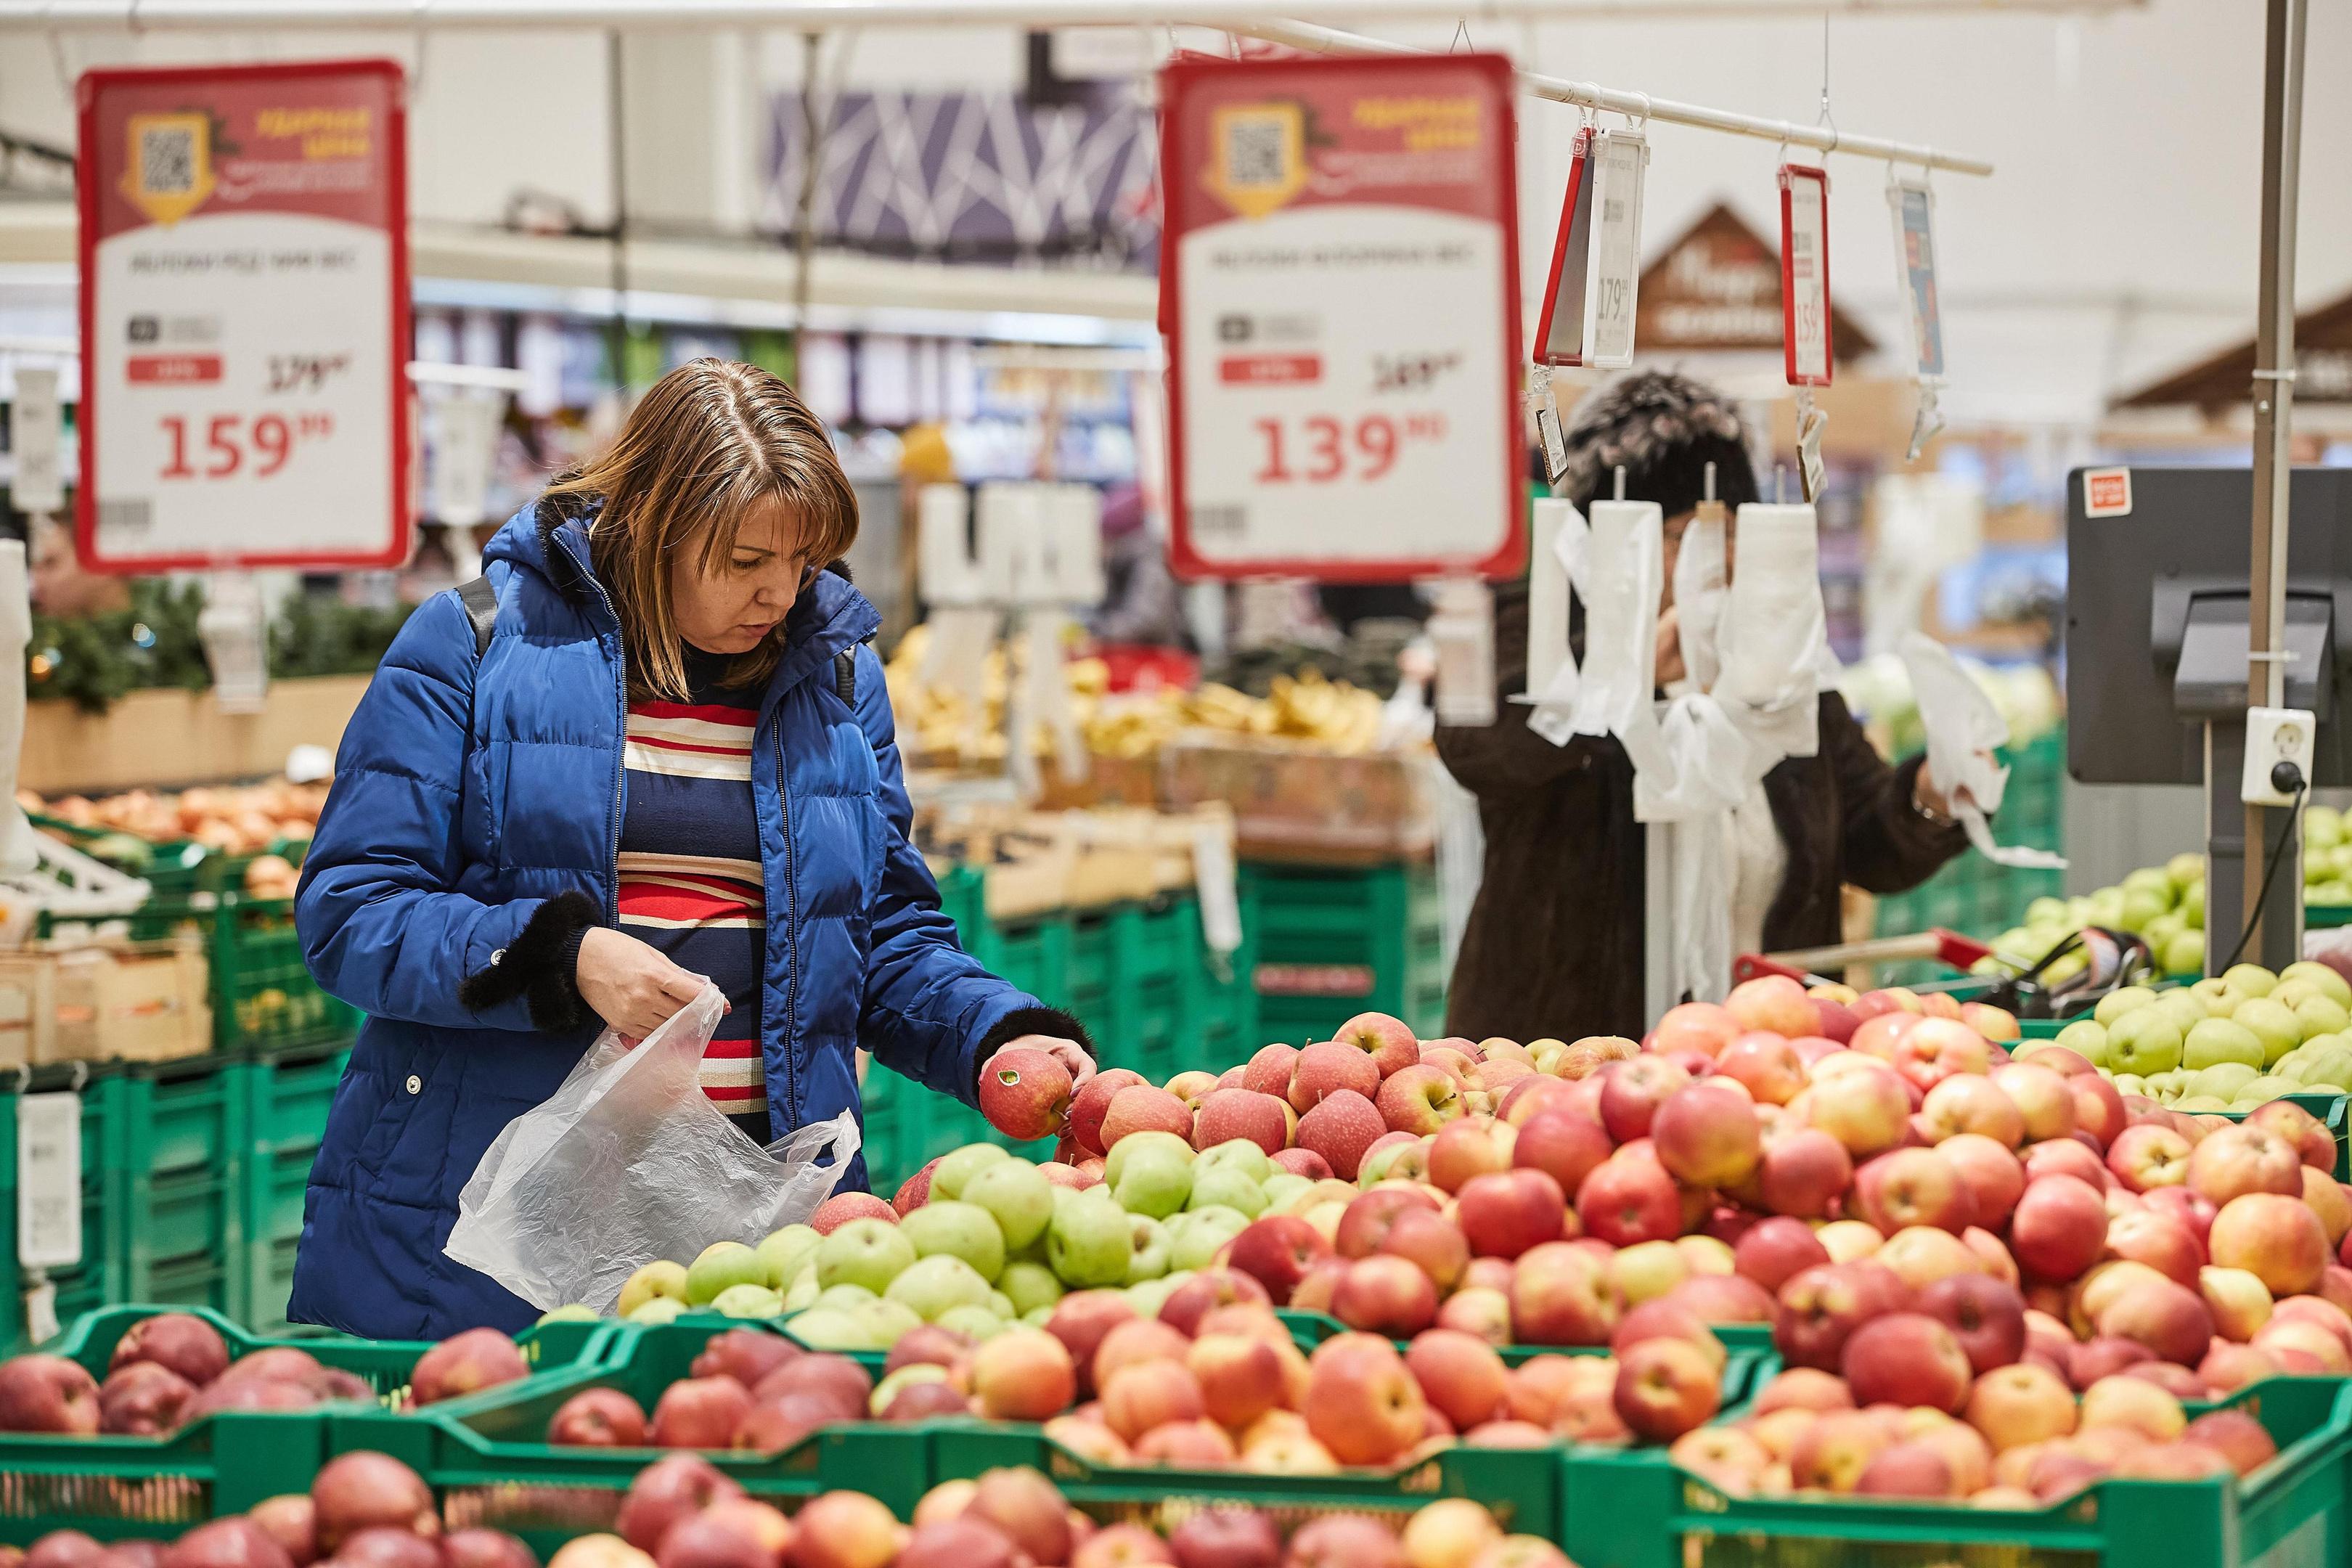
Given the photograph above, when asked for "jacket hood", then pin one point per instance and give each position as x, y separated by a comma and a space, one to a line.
829, 616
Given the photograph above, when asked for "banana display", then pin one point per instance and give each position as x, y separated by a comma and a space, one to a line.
1331, 715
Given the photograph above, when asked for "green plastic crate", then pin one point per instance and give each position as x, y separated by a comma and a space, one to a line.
487, 1457
1327, 942
287, 1093
1637, 1509
263, 995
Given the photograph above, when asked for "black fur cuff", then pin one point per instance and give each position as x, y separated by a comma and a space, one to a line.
540, 965
1029, 1021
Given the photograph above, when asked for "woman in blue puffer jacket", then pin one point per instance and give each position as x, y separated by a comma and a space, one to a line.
670, 764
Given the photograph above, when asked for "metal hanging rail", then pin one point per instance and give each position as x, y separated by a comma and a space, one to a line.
1321, 40
800, 16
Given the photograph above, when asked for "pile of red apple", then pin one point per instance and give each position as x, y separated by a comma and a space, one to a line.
1913, 1424
364, 1511
174, 1368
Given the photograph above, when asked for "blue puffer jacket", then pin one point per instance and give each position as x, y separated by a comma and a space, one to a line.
472, 833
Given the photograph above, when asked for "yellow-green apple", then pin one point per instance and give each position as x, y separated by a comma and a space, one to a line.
1860, 1103
2134, 1403
1772, 1002
1647, 1271
1449, 1533
1225, 1114
1804, 1171
2059, 1227
1362, 1402
2238, 1300
2149, 1155
2012, 1407
1666, 1387
2169, 1318
1907, 1358
1473, 1146
1276, 1251
1832, 1453
1987, 1316
1325, 1068
2278, 1240
1342, 1128
1777, 1247
1629, 1198
1920, 1254
1504, 1213
1559, 1297
1913, 1187
2244, 1159
1706, 1134
1631, 1091
1767, 1064
1419, 1099
1707, 1254
1388, 1041
1971, 1103
1386, 1295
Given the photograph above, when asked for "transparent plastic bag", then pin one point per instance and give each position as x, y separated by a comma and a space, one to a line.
629, 1162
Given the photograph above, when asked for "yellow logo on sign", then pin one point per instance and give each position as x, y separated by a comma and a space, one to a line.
1259, 156
171, 165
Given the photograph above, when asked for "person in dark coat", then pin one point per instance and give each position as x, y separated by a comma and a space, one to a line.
671, 766
1554, 944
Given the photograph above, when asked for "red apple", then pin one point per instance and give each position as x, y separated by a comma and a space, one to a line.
1913, 1187
1226, 1114
1666, 1387
1907, 1358
598, 1418
1776, 1248
181, 1342
48, 1394
1092, 1104
2059, 1227
1628, 1199
1631, 1091
1276, 1251
1388, 1041
1419, 1099
1385, 1295
1986, 1316
1361, 1401
1804, 1170
1504, 1215
1561, 1296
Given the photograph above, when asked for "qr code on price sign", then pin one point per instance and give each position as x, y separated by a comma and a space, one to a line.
1257, 149
167, 160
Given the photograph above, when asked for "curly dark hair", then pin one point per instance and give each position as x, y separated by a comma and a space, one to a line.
1663, 429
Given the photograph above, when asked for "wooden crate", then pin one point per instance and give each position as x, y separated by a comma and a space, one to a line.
132, 1001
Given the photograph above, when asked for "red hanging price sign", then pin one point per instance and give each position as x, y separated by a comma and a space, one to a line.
1805, 274
1340, 292
244, 317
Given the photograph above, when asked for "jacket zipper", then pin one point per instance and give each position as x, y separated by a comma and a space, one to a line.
792, 933
620, 761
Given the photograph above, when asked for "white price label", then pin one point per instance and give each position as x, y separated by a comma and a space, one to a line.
1619, 161
36, 426
1914, 208
48, 1180
1342, 307
244, 330
1805, 274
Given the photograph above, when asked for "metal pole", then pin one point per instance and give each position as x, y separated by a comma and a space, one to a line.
812, 164
618, 152
1317, 39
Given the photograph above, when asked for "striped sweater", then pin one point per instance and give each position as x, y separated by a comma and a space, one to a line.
689, 866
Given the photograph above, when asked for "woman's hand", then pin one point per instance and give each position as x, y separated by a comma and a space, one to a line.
1069, 1053
631, 986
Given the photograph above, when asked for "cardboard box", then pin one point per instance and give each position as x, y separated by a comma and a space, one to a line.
1292, 801
136, 1001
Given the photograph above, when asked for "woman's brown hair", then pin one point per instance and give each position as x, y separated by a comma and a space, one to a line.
707, 444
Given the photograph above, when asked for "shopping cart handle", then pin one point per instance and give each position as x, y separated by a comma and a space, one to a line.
1805, 965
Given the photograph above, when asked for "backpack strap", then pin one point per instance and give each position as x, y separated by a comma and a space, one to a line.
845, 676
481, 602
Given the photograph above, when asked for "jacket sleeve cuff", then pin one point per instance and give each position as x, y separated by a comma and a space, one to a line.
1029, 1021
542, 967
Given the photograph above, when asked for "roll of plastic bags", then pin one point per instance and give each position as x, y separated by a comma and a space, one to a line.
1625, 574
1775, 637
629, 1162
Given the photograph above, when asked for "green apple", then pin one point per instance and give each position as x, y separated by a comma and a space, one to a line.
2331, 1067
869, 1252
974, 1324
1236, 1154
2192, 902
573, 1313
2172, 1082
1154, 1182
1135, 1144
2045, 910
2163, 928
2152, 879
2223, 1080
932, 1285
1037, 1317
655, 1311
2184, 1005
2218, 1040
2216, 994
2276, 1026
2199, 1104
2146, 1042
802, 1293
845, 1297
1228, 1189
1001, 1305
2115, 1004
1017, 1196
1029, 1286
2323, 825
785, 1251
660, 1278
1148, 1296
1282, 1187
2267, 1088
955, 1168
2088, 1038
1090, 1242
1197, 1236
957, 1229
2184, 954
747, 1301
2330, 983
722, 1264
832, 1329
2249, 979
2140, 910
1148, 1249
2185, 867
886, 1320
2321, 1014
2131, 1083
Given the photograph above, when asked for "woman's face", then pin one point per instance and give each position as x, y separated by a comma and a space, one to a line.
748, 592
